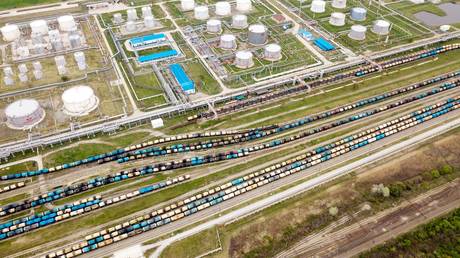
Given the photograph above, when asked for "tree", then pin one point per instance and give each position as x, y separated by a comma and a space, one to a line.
333, 211
446, 169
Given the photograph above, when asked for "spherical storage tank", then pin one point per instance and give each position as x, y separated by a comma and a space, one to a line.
24, 114
339, 4
227, 41
272, 52
223, 8
357, 32
213, 26
381, 27
257, 34
239, 21
201, 12
318, 6
187, 5
337, 19
243, 59
358, 14
79, 100
67, 23
243, 5
10, 32
39, 27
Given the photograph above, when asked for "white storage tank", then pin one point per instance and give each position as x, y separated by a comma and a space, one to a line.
8, 80
146, 11
75, 40
257, 34
243, 59
8, 71
23, 77
358, 14
10, 32
272, 52
38, 74
357, 32
214, 26
239, 21
318, 6
39, 49
37, 65
381, 27
23, 51
131, 26
23, 68
80, 59
243, 5
227, 41
187, 5
201, 12
60, 60
79, 100
57, 44
339, 4
337, 19
54, 35
117, 18
223, 8
132, 14
62, 70
67, 23
37, 38
39, 27
24, 114
149, 22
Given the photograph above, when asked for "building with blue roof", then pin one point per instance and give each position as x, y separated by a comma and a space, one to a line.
187, 85
147, 40
305, 34
157, 56
324, 44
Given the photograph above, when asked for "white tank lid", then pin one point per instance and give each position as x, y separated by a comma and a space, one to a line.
273, 48
77, 94
358, 28
243, 54
21, 108
338, 15
257, 28
382, 23
227, 37
213, 22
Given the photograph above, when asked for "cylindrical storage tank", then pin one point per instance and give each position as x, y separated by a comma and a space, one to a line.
79, 100
257, 34
243, 5
149, 22
117, 18
318, 6
223, 8
37, 65
243, 59
132, 14
337, 19
8, 80
75, 40
39, 27
38, 74
272, 52
54, 35
79, 57
227, 41
146, 11
24, 114
57, 45
23, 77
201, 12
23, 51
23, 68
187, 5
37, 38
339, 4
131, 26
357, 32
358, 14
39, 49
10, 32
60, 60
62, 70
381, 27
239, 21
213, 26
8, 71
67, 23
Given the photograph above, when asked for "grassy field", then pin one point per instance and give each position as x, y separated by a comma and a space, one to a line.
10, 4
25, 166
193, 246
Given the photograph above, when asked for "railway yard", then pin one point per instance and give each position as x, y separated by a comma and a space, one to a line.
244, 128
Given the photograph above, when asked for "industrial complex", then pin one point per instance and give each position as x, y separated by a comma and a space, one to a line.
242, 128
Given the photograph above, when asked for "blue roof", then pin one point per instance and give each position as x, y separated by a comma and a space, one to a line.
181, 77
159, 55
139, 40
324, 44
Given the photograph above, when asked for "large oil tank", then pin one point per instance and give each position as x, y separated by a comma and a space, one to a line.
118, 18
339, 4
131, 26
39, 27
381, 27
75, 41
257, 34
227, 41
337, 19
272, 52
149, 22
358, 14
243, 59
201, 12
24, 114
10, 32
187, 5
239, 21
79, 100
67, 23
243, 6
318, 6
223, 8
357, 32
132, 14
213, 26
146, 11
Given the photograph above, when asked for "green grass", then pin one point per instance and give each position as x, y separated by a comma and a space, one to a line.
204, 82
193, 246
10, 4
21, 167
79, 152
14, 199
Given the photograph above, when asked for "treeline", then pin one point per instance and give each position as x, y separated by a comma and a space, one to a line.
438, 238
